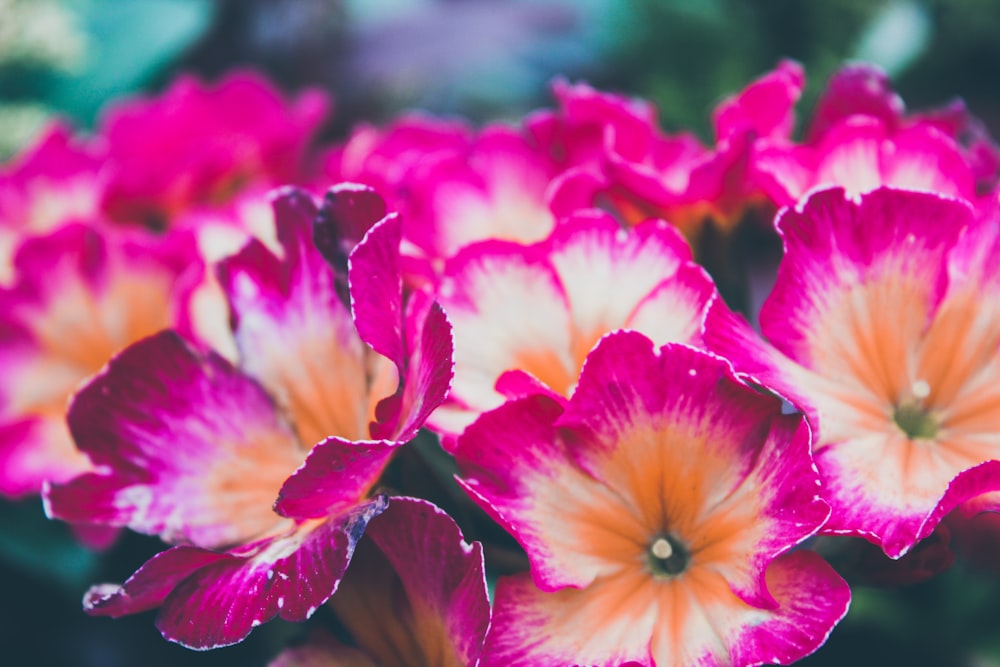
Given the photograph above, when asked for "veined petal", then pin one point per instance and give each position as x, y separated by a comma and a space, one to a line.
603, 625
882, 257
427, 372
606, 270
416, 593
695, 452
414, 335
887, 316
37, 450
185, 447
513, 464
210, 599
377, 289
588, 278
337, 475
675, 310
509, 311
294, 333
697, 623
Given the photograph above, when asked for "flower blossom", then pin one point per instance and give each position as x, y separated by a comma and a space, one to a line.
860, 138
415, 594
263, 476
657, 507
79, 296
884, 326
525, 317
201, 145
53, 182
645, 173
455, 187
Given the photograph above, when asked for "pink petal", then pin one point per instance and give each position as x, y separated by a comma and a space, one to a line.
765, 107
211, 599
337, 475
185, 446
290, 320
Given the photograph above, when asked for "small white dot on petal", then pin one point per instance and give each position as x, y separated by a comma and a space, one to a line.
692, 372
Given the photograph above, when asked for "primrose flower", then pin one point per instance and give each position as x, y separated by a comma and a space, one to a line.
657, 509
199, 145
415, 594
525, 317
262, 476
54, 182
79, 296
864, 89
496, 188
885, 326
454, 187
644, 173
385, 158
860, 138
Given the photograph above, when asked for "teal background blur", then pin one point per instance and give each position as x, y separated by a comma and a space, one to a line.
484, 59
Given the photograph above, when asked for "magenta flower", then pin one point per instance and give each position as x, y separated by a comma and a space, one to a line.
198, 145
861, 138
496, 188
415, 594
525, 317
658, 508
79, 296
53, 182
884, 326
194, 450
385, 158
645, 173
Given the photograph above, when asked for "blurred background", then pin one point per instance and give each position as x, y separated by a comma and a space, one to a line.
482, 59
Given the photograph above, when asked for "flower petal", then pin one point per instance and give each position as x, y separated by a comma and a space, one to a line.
186, 447
212, 599
290, 321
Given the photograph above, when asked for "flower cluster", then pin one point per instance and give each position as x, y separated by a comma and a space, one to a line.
315, 372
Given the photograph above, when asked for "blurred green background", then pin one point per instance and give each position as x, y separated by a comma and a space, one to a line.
483, 59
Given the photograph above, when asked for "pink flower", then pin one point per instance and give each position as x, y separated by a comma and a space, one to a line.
657, 508
645, 173
496, 188
525, 317
54, 182
385, 158
884, 321
188, 447
860, 138
79, 296
454, 187
415, 592
199, 145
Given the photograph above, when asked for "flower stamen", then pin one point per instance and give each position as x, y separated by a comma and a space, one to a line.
667, 557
